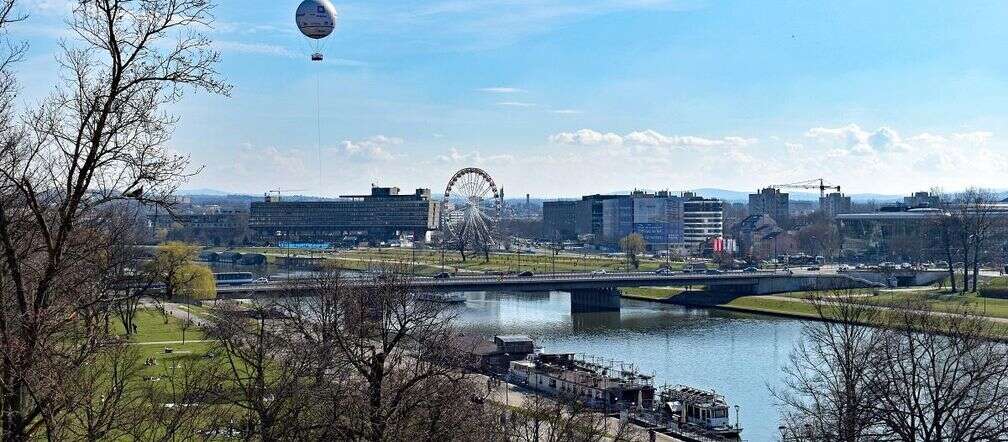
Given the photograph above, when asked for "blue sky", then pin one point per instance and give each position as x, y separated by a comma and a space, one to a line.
562, 98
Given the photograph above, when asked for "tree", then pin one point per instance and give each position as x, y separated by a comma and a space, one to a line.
829, 381
945, 227
633, 245
181, 278
927, 376
353, 361
99, 137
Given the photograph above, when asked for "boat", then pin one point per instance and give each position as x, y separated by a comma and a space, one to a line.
444, 298
604, 385
693, 413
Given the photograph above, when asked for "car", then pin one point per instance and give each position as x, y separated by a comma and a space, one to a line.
714, 272
664, 271
812, 268
261, 280
598, 272
526, 273
843, 268
750, 269
442, 275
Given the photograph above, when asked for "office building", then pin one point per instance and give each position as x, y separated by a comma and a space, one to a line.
382, 215
835, 204
589, 212
703, 219
899, 233
559, 220
658, 218
771, 201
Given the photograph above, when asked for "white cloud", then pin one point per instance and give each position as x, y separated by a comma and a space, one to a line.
858, 141
501, 90
979, 137
586, 137
646, 138
456, 156
566, 111
377, 148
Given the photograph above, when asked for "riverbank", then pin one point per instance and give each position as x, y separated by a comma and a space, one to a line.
798, 305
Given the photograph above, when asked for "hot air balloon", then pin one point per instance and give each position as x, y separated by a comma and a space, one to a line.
316, 19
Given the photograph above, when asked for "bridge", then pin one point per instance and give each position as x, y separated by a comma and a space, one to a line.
600, 292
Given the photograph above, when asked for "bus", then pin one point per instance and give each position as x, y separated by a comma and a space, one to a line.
234, 278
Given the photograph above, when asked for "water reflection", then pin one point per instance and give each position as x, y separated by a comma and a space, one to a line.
737, 354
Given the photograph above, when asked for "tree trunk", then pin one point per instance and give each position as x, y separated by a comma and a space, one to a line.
375, 400
976, 265
966, 267
950, 260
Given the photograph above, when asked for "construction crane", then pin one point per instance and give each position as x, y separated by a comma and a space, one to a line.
817, 183
279, 192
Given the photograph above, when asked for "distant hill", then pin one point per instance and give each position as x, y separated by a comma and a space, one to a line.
208, 192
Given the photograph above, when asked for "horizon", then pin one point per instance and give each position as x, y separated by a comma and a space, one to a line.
555, 97
796, 196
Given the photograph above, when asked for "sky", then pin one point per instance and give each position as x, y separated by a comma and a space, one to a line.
563, 98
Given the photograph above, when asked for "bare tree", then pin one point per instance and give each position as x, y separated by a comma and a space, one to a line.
943, 378
946, 225
265, 371
97, 138
342, 358
829, 386
394, 357
981, 223
927, 376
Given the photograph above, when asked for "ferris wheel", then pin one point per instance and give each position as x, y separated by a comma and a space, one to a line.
470, 210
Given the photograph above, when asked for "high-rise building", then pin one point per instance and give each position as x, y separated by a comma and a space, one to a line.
703, 219
559, 220
384, 214
617, 218
835, 204
772, 202
588, 219
658, 219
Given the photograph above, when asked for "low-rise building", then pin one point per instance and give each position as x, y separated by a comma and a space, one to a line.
384, 214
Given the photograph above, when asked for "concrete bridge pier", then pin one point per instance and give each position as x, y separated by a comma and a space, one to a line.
595, 300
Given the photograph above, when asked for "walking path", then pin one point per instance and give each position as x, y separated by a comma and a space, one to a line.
510, 394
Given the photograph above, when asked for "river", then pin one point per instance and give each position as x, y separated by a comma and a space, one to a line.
739, 355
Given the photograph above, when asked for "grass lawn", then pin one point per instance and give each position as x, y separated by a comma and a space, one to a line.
657, 293
771, 305
151, 327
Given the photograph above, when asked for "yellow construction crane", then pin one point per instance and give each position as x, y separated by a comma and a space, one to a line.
817, 183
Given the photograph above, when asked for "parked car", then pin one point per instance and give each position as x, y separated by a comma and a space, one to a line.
442, 275
598, 272
526, 273
812, 268
261, 280
664, 271
750, 269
